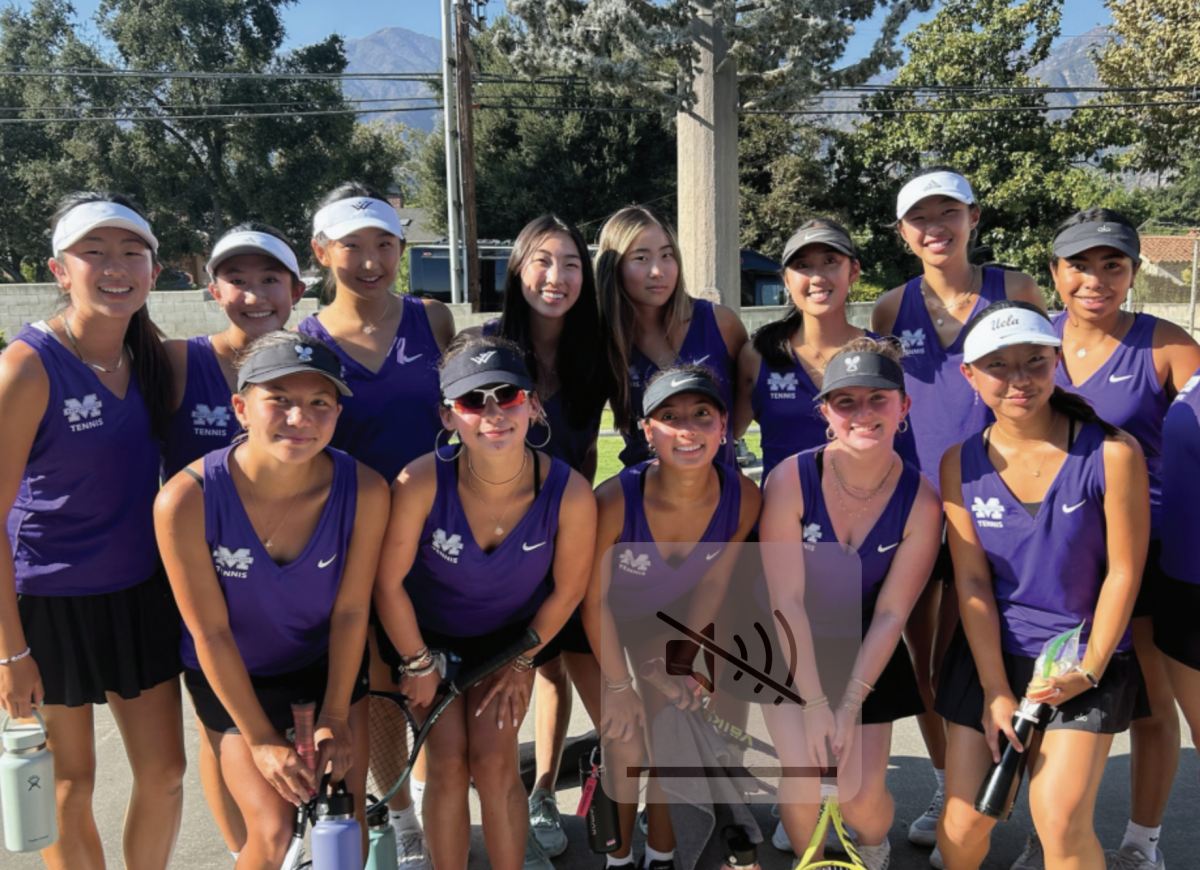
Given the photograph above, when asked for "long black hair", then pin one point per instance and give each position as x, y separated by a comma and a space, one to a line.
142, 337
580, 357
773, 340
1071, 405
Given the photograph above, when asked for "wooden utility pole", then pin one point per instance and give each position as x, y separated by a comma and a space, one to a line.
466, 132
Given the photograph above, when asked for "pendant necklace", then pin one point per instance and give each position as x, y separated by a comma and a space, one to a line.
1043, 440
387, 309
499, 528
957, 303
269, 542
79, 353
1083, 351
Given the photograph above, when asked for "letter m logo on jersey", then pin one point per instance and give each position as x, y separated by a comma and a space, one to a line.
781, 383
913, 340
81, 409
237, 560
635, 564
217, 417
987, 510
451, 545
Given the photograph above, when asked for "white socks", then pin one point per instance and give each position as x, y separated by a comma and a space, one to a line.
655, 855
875, 857
941, 778
405, 820
1145, 839
627, 861
416, 788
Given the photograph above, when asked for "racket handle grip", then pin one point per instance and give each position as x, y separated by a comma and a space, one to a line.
303, 718
485, 669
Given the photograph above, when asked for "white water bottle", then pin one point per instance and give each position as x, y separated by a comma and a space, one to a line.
27, 787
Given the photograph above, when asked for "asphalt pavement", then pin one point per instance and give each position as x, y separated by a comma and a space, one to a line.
910, 779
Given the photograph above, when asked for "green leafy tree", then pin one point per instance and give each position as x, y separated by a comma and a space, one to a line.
1027, 168
782, 180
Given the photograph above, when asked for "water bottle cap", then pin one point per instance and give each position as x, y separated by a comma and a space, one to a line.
740, 851
340, 804
27, 735
379, 817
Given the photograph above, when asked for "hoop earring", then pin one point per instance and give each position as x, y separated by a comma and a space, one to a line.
437, 446
830, 434
724, 439
549, 436
903, 427
973, 236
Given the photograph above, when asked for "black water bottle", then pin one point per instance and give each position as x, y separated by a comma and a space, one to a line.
740, 851
999, 791
598, 809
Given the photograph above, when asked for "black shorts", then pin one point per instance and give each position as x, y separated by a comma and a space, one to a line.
86, 646
1108, 709
943, 566
474, 651
275, 694
572, 638
1152, 580
1176, 633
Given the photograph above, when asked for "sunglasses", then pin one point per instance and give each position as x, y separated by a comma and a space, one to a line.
505, 396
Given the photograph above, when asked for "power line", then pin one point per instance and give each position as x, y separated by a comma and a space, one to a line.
240, 116
173, 106
148, 74
934, 111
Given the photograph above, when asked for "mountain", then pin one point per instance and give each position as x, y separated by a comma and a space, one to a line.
393, 49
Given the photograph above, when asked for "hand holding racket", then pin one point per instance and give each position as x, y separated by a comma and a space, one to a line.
334, 746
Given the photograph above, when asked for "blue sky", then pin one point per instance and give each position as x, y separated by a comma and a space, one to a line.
310, 21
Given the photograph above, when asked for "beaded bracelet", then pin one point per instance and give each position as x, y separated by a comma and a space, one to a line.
22, 654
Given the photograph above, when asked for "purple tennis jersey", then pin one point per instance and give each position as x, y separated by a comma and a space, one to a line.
1180, 483
205, 420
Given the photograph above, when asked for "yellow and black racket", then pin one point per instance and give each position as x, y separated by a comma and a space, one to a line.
831, 814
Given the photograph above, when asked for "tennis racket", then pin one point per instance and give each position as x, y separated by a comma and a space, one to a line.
831, 814
304, 740
397, 736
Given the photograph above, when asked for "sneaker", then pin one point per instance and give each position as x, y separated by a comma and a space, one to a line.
923, 831
935, 859
535, 856
1133, 858
780, 839
643, 823
546, 822
833, 842
1032, 858
413, 854
876, 857
669, 864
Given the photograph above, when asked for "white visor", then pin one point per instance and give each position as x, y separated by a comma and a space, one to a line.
949, 184
234, 244
88, 216
1007, 327
346, 216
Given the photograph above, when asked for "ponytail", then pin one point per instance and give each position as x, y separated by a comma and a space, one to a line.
773, 340
151, 368
1076, 407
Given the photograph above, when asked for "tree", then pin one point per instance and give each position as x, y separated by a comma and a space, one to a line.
781, 178
1026, 168
1156, 44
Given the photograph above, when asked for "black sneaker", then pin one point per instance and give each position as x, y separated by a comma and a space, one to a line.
669, 864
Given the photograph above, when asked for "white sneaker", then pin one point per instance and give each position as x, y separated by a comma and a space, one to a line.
876, 857
923, 831
935, 859
1032, 858
412, 851
1133, 858
546, 822
535, 856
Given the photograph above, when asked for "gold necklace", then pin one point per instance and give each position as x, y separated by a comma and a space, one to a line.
851, 490
1043, 440
954, 305
499, 528
270, 539
79, 353
387, 309
474, 473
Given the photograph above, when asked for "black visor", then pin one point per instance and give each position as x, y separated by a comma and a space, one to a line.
861, 369
483, 367
674, 384
1093, 234
292, 358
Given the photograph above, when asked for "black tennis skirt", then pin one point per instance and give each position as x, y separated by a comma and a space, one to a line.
1176, 633
87, 646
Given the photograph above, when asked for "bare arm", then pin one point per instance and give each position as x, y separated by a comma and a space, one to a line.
176, 350
1022, 288
748, 364
886, 310
732, 330
441, 321
598, 620
574, 545
1176, 356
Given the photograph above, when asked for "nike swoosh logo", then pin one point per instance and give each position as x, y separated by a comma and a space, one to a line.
681, 382
1113, 379
697, 362
325, 563
408, 359
884, 549
1073, 508
528, 548
712, 556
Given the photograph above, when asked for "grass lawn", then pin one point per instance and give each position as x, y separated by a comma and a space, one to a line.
607, 464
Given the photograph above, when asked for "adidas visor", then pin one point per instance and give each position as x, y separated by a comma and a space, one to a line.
483, 367
814, 236
949, 184
88, 216
861, 369
292, 358
1005, 328
1083, 237
677, 383
235, 244
340, 219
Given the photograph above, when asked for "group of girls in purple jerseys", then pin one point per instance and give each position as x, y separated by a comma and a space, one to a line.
218, 508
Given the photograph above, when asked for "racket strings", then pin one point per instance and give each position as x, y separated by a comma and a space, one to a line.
392, 734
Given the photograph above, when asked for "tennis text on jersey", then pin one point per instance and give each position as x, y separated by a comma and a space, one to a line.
988, 514
447, 546
782, 385
631, 564
232, 563
83, 413
211, 421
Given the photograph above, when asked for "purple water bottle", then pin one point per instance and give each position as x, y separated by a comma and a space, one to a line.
336, 839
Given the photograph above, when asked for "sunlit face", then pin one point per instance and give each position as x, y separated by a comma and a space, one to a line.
1093, 283
863, 418
650, 268
1015, 382
364, 262
552, 275
110, 271
494, 429
685, 430
938, 228
818, 278
292, 418
256, 292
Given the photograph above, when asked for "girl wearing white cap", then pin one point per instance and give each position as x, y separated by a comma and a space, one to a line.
1038, 549
254, 277
390, 347
1129, 367
86, 615
938, 218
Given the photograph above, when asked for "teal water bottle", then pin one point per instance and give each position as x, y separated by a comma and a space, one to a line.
381, 851
27, 787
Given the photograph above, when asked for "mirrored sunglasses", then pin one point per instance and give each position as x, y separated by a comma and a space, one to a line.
505, 396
